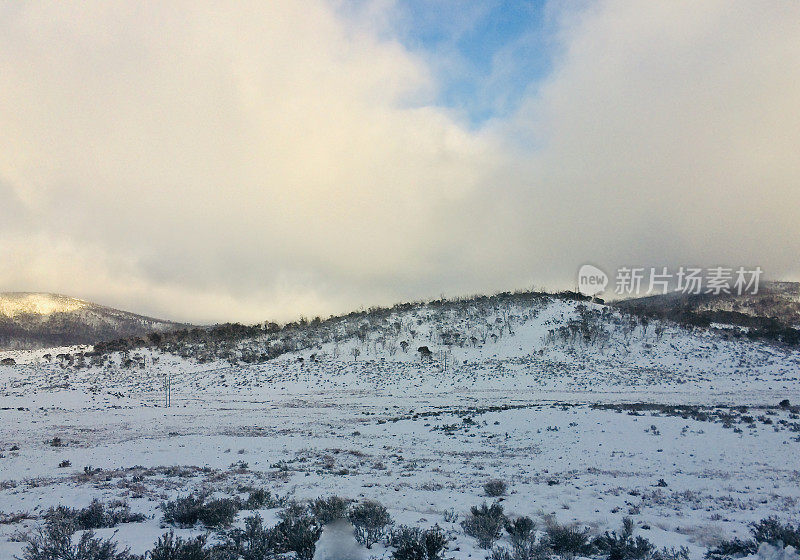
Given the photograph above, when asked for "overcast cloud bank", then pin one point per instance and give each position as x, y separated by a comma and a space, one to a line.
204, 165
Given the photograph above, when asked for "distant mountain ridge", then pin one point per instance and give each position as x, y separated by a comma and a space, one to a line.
506, 340
774, 311
30, 320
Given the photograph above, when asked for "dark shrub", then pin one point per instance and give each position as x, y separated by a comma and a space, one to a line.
95, 515
732, 549
259, 498
435, 542
528, 551
328, 510
298, 535
484, 523
397, 536
91, 548
769, 530
254, 542
772, 531
495, 488
170, 547
411, 543
623, 545
293, 511
187, 511
681, 553
183, 512
295, 534
14, 518
54, 542
501, 553
218, 513
521, 531
567, 539
370, 520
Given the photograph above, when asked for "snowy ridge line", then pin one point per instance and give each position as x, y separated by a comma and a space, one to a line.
533, 346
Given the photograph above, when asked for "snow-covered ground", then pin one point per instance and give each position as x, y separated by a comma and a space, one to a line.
550, 413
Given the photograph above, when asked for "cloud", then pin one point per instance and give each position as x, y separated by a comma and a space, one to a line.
208, 164
236, 152
667, 134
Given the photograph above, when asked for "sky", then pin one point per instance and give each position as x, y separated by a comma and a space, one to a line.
204, 162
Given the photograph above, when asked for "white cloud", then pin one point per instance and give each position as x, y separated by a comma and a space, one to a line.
666, 136
206, 164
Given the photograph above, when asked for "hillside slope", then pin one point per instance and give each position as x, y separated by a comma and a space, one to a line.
778, 301
34, 320
526, 343
590, 414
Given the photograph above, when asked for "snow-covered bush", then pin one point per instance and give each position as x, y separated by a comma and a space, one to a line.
495, 488
294, 510
567, 540
170, 547
328, 510
218, 513
529, 551
623, 545
672, 553
412, 543
95, 516
521, 531
769, 530
370, 520
501, 553
254, 542
54, 542
298, 535
259, 498
183, 512
768, 552
773, 532
187, 511
484, 523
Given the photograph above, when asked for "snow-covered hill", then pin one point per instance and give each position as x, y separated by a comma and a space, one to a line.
588, 414
533, 342
776, 304
35, 320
